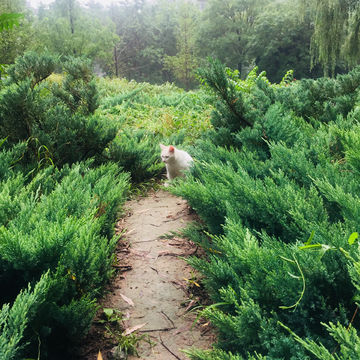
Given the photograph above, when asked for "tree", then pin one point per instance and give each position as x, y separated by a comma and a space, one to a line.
15, 31
135, 51
224, 28
165, 17
68, 29
337, 32
8, 21
184, 62
280, 41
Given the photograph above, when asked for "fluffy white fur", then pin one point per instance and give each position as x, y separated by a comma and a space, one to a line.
176, 161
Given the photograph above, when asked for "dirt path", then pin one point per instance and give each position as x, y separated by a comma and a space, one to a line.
154, 291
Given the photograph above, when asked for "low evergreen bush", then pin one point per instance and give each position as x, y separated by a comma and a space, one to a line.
61, 223
57, 120
279, 199
60, 196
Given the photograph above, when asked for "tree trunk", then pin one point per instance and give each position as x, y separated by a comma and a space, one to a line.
71, 20
116, 62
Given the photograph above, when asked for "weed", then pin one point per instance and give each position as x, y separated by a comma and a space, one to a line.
127, 344
142, 189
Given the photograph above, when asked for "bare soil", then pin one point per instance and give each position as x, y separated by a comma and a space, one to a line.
151, 287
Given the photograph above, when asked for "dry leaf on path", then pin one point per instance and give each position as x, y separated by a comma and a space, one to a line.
191, 304
132, 329
126, 299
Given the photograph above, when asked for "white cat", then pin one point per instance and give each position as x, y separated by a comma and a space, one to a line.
176, 161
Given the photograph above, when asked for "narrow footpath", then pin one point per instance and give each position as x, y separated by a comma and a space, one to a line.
151, 290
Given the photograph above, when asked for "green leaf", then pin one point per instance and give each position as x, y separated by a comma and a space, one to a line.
308, 242
3, 140
8, 21
354, 299
353, 237
213, 306
315, 246
108, 312
294, 276
288, 260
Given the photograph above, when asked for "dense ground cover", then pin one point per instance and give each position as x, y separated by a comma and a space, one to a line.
276, 182
71, 147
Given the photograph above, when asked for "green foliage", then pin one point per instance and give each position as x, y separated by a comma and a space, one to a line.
196, 354
224, 29
58, 120
15, 320
66, 29
347, 338
292, 173
32, 66
78, 90
184, 62
57, 212
8, 21
61, 222
138, 153
230, 106
336, 34
279, 41
163, 110
16, 33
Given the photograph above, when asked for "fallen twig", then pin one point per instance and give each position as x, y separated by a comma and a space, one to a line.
155, 225
162, 343
182, 287
152, 330
160, 274
168, 319
141, 211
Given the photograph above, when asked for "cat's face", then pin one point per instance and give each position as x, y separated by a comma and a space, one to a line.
167, 153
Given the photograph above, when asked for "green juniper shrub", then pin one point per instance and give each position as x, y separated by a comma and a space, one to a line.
346, 337
71, 138
14, 321
78, 90
21, 100
293, 172
322, 99
61, 222
197, 354
56, 120
10, 158
111, 102
138, 153
230, 110
31, 66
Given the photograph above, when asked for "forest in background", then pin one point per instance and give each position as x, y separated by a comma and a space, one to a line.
165, 40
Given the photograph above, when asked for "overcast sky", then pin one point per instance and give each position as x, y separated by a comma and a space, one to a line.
36, 3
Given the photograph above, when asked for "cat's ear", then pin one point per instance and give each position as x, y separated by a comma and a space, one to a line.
163, 147
171, 149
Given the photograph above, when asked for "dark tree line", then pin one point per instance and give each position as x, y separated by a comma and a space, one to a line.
163, 41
